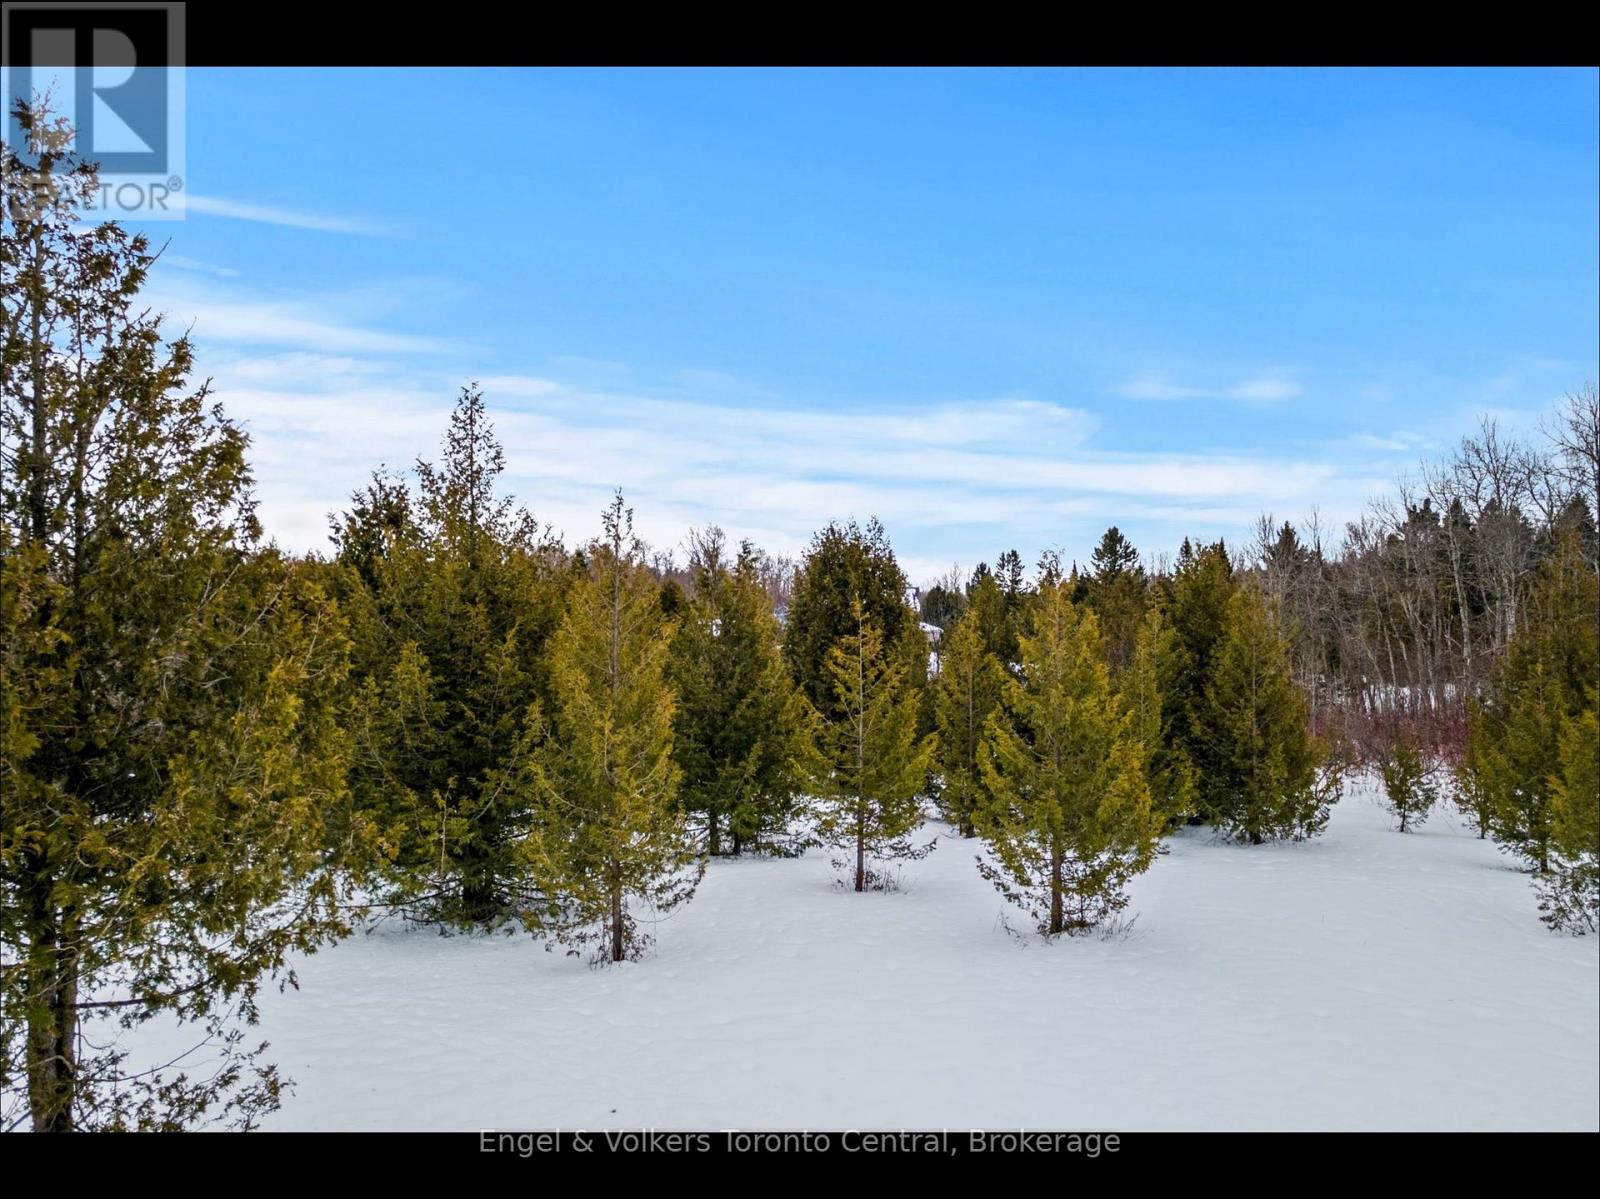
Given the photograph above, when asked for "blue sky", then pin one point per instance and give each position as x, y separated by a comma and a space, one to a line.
995, 308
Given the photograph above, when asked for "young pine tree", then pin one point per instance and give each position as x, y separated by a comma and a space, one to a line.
171, 757
965, 691
1066, 811
743, 735
1265, 760
878, 766
1409, 785
607, 834
1410, 779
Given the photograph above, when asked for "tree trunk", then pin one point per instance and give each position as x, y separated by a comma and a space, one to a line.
861, 852
714, 840
1057, 916
52, 990
617, 946
478, 902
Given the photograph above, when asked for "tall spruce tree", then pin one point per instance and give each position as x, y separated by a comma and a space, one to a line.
1265, 761
1066, 810
878, 765
965, 691
459, 591
171, 758
607, 834
743, 735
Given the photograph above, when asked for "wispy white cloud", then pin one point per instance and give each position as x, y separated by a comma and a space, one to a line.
233, 317
331, 385
184, 263
266, 214
953, 481
1261, 389
1397, 442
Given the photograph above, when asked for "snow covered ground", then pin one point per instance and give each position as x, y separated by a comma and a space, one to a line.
1364, 980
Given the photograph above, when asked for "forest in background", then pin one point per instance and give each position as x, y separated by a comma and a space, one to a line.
216, 754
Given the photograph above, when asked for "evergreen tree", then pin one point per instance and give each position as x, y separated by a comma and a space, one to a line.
674, 601
1116, 592
986, 606
1114, 555
1408, 783
1066, 810
743, 734
1149, 677
607, 832
1570, 897
1195, 607
1009, 573
1541, 689
379, 521
942, 606
1471, 799
1265, 760
171, 758
845, 563
465, 590
871, 802
965, 691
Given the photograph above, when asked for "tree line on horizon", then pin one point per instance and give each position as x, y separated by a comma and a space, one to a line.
215, 754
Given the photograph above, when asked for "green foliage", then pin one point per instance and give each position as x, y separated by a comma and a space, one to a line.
986, 608
1470, 797
1008, 572
378, 523
1263, 782
1517, 755
942, 606
1118, 594
1571, 896
744, 735
965, 691
1149, 677
1408, 783
607, 833
175, 820
878, 765
1195, 604
1115, 555
846, 565
1067, 812
453, 593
